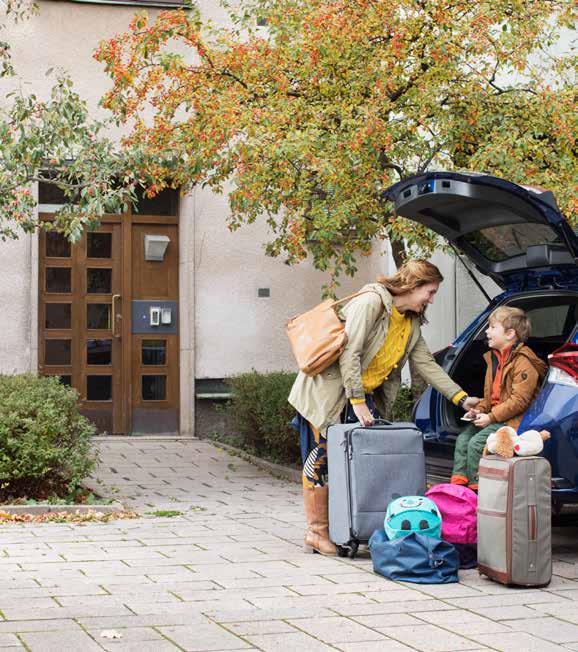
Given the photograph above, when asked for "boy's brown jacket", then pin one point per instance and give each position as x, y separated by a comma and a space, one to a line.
521, 379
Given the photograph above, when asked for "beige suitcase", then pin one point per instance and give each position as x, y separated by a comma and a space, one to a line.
514, 520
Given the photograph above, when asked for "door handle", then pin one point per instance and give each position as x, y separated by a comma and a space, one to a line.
115, 298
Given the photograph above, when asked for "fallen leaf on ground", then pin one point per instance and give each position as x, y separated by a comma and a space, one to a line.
110, 633
90, 516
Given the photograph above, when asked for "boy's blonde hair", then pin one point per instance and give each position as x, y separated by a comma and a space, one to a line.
514, 318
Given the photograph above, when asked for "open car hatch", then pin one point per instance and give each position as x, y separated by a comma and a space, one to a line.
508, 231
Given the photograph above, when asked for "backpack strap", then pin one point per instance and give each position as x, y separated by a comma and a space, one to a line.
352, 296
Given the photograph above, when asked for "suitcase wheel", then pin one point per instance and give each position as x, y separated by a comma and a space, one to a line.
353, 549
342, 552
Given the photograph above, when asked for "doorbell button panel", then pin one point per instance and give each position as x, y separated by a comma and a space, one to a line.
166, 316
155, 316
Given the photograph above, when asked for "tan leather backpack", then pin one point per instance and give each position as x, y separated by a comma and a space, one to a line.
318, 336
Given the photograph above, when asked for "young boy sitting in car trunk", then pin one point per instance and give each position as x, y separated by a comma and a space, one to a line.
512, 381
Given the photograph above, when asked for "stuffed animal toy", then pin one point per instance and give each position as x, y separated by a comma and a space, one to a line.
506, 442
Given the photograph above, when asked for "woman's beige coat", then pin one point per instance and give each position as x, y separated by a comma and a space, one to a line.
322, 398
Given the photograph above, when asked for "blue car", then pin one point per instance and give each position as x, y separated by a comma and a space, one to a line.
518, 237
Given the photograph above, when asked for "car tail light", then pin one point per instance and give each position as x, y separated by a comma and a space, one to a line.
564, 365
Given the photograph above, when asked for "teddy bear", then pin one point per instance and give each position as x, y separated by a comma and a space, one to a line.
506, 442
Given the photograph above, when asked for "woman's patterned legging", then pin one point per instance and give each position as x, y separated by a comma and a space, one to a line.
315, 464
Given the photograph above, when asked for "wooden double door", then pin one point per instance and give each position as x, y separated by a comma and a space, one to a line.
108, 322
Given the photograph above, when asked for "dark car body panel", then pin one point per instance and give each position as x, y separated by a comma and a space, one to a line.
475, 212
537, 253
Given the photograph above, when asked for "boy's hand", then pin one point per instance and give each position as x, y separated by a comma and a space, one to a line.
363, 414
482, 420
470, 402
472, 414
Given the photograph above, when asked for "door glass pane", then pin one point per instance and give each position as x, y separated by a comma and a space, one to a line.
58, 315
58, 279
154, 352
154, 388
99, 388
57, 352
57, 245
98, 281
99, 352
99, 245
98, 316
65, 380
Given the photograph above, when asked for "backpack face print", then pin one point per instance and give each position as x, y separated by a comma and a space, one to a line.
412, 514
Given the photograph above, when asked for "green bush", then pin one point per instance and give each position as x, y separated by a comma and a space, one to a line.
44, 441
260, 414
403, 405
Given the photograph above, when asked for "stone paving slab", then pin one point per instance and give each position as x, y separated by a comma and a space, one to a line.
227, 572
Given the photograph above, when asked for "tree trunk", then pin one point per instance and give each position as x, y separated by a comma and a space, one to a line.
399, 252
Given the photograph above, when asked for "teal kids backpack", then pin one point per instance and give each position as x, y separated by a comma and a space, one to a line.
412, 514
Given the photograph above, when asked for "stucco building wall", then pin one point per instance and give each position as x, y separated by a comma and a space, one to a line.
469, 299
17, 302
225, 327
237, 330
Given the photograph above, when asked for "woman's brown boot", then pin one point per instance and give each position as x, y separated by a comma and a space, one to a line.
316, 511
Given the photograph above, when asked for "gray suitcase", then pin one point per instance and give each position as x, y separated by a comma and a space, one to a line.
368, 467
514, 520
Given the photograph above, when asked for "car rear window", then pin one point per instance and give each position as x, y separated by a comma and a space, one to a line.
497, 243
556, 321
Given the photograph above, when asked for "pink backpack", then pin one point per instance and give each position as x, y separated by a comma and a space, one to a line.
458, 506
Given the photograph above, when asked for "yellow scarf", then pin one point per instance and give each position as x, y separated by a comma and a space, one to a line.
390, 353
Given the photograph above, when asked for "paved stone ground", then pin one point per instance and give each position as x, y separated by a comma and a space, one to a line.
229, 574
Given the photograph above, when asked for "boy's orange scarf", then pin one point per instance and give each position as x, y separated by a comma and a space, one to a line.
497, 382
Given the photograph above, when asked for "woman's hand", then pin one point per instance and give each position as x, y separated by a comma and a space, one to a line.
482, 420
363, 414
470, 402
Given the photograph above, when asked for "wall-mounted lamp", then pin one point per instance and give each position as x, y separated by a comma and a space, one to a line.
155, 246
